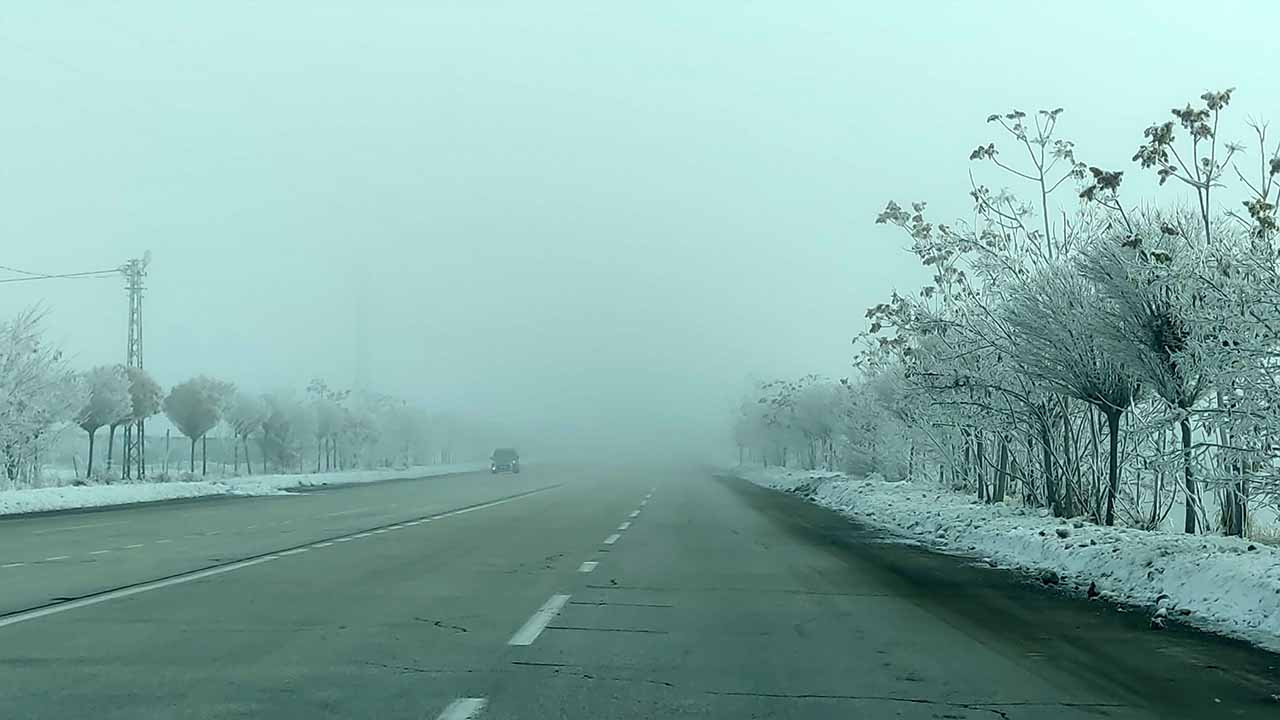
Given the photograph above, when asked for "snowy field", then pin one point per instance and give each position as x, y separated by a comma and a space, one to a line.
71, 497
1226, 585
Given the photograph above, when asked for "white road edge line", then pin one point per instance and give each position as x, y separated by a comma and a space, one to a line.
463, 709
612, 539
624, 526
323, 544
536, 624
126, 592
295, 551
343, 539
587, 566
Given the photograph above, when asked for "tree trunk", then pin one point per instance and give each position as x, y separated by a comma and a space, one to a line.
204, 454
88, 469
1002, 475
980, 467
319, 448
1050, 479
264, 452
192, 467
1193, 491
248, 466
235, 449
1068, 497
1113, 470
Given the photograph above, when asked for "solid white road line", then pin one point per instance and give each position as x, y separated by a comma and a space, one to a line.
463, 709
295, 551
634, 514
361, 535
323, 544
587, 566
75, 527
55, 557
536, 624
126, 592
612, 539
345, 539
377, 532
625, 525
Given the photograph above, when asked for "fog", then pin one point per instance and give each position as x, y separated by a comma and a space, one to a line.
590, 224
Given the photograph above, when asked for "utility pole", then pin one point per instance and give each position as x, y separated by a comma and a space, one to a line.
135, 438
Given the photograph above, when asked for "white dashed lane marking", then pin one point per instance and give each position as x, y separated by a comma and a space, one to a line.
463, 709
612, 539
55, 557
99, 552
536, 624
323, 544
625, 525
12, 565
162, 541
634, 514
131, 547
588, 566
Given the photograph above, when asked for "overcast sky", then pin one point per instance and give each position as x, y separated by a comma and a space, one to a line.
587, 219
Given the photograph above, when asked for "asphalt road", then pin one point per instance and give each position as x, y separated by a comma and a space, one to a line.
563, 593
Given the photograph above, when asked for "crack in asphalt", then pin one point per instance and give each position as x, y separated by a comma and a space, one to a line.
992, 707
442, 624
425, 671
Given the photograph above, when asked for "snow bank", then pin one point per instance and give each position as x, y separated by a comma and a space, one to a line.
71, 497
1228, 585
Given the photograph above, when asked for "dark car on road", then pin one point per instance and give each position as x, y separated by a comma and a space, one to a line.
504, 459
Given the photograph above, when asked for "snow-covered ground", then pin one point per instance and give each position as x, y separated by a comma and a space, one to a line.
1227, 585
70, 497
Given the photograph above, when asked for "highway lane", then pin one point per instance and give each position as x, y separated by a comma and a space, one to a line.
47, 557
612, 593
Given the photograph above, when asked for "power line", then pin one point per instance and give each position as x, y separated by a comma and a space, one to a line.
37, 276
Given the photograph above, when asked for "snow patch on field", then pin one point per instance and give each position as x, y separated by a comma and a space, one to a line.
73, 497
1228, 585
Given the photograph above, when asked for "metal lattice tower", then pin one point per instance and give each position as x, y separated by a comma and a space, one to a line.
135, 442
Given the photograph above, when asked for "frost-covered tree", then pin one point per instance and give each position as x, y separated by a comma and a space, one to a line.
1053, 318
145, 397
108, 401
37, 392
195, 407
244, 414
